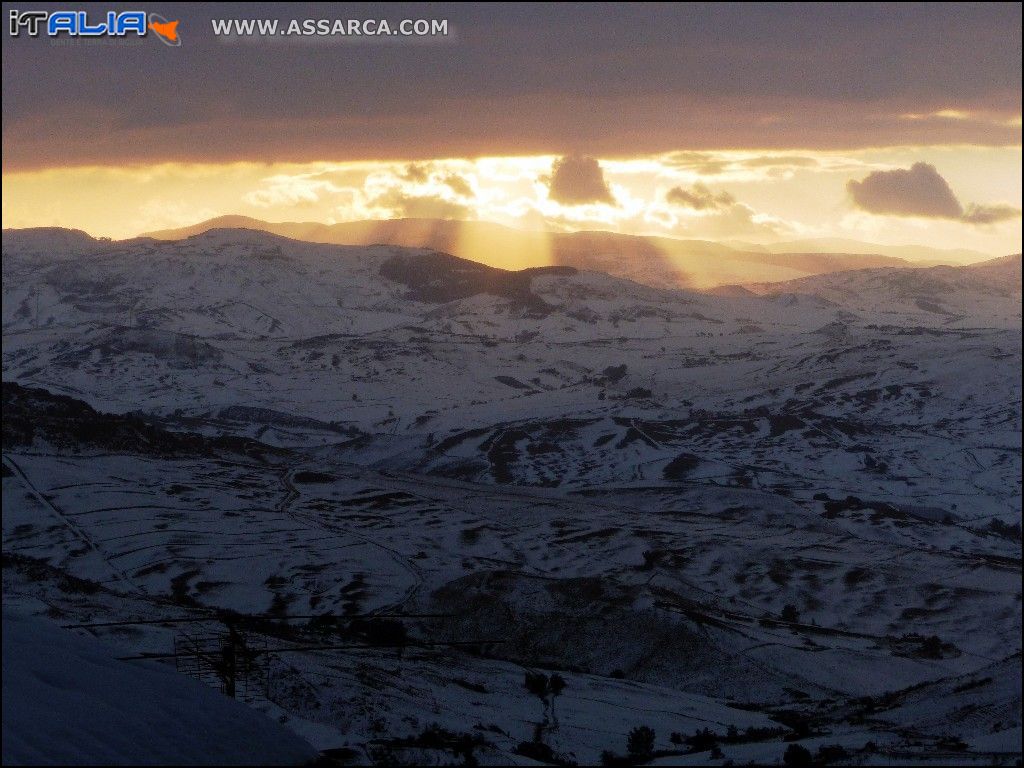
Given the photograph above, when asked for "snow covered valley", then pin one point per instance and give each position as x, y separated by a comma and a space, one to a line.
746, 519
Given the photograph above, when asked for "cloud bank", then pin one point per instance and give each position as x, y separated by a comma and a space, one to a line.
700, 198
989, 214
718, 214
920, 191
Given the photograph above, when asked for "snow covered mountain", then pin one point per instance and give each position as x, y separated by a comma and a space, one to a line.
786, 511
662, 262
989, 289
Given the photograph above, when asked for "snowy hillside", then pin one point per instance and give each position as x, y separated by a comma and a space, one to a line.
786, 512
68, 701
657, 261
988, 291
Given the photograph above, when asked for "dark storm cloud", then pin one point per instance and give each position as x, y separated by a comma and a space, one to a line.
700, 198
917, 191
576, 180
920, 191
512, 80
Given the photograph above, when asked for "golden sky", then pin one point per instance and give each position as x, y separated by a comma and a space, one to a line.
747, 196
888, 123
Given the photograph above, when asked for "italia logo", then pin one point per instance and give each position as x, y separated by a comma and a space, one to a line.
84, 24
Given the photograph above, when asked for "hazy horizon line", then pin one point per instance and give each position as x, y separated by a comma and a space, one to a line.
737, 245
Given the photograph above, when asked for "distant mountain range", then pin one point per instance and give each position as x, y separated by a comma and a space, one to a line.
922, 254
406, 314
656, 261
990, 287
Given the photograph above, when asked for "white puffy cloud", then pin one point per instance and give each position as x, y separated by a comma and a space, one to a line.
284, 189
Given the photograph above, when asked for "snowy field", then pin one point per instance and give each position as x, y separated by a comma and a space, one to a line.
786, 514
